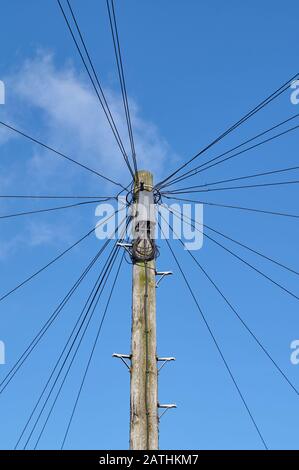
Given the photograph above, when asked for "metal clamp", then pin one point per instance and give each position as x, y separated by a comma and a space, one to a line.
123, 358
126, 246
164, 360
166, 408
162, 274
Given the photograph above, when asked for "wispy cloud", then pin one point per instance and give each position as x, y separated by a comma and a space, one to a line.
35, 234
58, 105
73, 118
9, 246
44, 233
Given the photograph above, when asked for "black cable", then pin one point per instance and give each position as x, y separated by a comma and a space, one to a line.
60, 154
251, 249
12, 372
195, 171
101, 97
112, 124
94, 303
240, 244
13, 196
92, 352
246, 262
121, 75
216, 343
57, 257
250, 209
125, 89
236, 313
50, 209
80, 321
247, 149
112, 261
120, 143
229, 180
228, 188
51, 319
101, 278
47, 265
264, 103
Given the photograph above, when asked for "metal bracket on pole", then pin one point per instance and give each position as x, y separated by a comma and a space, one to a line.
162, 274
126, 246
123, 358
164, 360
166, 408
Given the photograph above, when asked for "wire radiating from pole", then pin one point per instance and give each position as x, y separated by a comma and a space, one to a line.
43, 268
217, 345
229, 206
91, 353
12, 372
234, 310
93, 305
238, 178
74, 335
60, 154
247, 116
202, 167
121, 75
254, 268
94, 81
231, 188
50, 209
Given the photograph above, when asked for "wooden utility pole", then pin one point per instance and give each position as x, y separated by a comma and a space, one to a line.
144, 375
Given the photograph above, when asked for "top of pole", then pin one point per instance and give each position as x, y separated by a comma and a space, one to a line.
144, 218
143, 181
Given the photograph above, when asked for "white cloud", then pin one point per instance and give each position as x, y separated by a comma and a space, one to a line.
9, 246
58, 106
74, 120
37, 234
42, 233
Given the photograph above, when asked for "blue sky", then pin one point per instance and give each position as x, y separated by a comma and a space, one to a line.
192, 69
